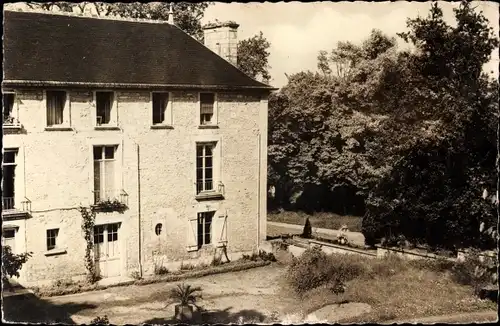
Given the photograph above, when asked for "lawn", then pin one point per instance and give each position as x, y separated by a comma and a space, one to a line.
318, 220
394, 290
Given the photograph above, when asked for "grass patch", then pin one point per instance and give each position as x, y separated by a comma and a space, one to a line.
318, 220
394, 287
78, 287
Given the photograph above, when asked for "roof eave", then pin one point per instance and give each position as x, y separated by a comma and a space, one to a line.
40, 83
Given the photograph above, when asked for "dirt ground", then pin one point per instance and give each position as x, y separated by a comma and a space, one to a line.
250, 296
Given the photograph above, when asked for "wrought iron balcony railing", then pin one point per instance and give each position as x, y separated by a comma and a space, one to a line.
111, 196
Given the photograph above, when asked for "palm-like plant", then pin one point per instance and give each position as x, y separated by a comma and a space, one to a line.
185, 294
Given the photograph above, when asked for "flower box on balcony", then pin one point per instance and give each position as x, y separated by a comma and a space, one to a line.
108, 206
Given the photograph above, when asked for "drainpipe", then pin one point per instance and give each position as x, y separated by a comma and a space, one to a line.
139, 209
258, 194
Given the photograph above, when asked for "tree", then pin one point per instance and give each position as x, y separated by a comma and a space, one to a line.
253, 57
187, 14
307, 231
326, 136
12, 263
432, 193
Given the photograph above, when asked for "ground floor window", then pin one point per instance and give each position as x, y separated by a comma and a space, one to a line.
9, 239
205, 228
52, 238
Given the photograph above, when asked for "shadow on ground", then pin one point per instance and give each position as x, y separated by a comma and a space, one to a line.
29, 308
219, 317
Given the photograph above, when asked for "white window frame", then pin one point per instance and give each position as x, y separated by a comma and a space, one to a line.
201, 215
16, 167
66, 110
102, 169
14, 238
15, 107
113, 119
105, 141
168, 117
217, 161
56, 237
215, 117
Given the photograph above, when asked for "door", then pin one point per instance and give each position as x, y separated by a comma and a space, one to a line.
107, 250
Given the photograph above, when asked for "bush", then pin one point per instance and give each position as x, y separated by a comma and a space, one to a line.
136, 275
307, 232
476, 273
12, 264
186, 267
314, 268
100, 320
266, 256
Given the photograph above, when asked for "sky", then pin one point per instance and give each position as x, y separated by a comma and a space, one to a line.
298, 31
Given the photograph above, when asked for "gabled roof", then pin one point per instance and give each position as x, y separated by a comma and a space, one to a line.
55, 49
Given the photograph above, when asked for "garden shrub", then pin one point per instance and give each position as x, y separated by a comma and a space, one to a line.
307, 232
314, 268
476, 273
100, 320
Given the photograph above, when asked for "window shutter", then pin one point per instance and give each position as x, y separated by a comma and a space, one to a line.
192, 235
221, 231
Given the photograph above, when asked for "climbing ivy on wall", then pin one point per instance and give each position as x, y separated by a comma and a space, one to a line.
88, 221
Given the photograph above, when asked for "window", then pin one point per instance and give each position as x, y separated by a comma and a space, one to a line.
204, 167
104, 107
106, 241
104, 173
8, 184
158, 229
205, 228
207, 103
8, 100
52, 238
160, 104
56, 101
9, 238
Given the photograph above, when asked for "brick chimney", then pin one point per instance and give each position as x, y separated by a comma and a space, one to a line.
222, 38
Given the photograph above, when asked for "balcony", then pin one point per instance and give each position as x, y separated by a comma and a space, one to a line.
205, 190
11, 124
110, 201
11, 212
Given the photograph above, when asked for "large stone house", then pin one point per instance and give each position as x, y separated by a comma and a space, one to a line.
163, 135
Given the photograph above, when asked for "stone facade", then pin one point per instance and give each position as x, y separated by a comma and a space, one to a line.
157, 171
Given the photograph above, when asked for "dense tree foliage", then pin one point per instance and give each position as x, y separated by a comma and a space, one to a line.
433, 194
407, 136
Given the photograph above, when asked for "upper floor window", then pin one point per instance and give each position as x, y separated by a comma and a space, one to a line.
160, 108
104, 108
204, 167
56, 103
8, 108
8, 177
105, 173
207, 108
